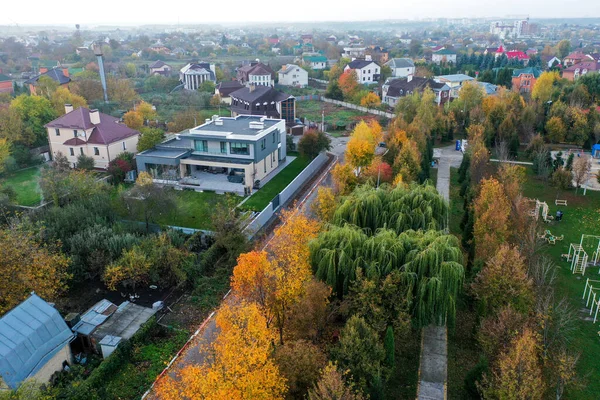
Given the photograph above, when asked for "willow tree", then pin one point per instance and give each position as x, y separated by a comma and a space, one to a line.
430, 264
401, 208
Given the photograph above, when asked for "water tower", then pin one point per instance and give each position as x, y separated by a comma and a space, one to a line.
98, 53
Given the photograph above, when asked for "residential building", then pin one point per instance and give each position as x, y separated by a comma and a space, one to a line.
394, 89
367, 72
224, 89
90, 132
160, 68
488, 88
34, 343
292, 75
225, 153
378, 54
575, 58
454, 82
315, 61
581, 68
195, 74
59, 75
524, 79
256, 73
307, 39
263, 100
516, 29
6, 84
401, 67
443, 56
353, 52
551, 61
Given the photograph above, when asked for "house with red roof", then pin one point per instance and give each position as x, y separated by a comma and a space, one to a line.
580, 69
512, 55
90, 132
575, 58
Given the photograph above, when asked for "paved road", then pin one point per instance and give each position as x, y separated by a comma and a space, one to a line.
434, 350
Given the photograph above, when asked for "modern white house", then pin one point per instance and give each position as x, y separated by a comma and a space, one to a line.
195, 74
454, 81
444, 56
34, 343
292, 75
92, 133
367, 72
226, 154
401, 67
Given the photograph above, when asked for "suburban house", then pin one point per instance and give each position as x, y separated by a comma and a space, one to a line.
488, 88
394, 89
34, 343
524, 79
160, 68
292, 75
101, 328
454, 82
578, 70
60, 75
315, 61
90, 132
401, 67
367, 72
353, 52
443, 56
256, 73
378, 54
550, 61
224, 89
575, 58
263, 100
195, 74
307, 38
6, 84
227, 154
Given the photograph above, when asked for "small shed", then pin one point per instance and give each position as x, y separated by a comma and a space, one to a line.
596, 150
109, 344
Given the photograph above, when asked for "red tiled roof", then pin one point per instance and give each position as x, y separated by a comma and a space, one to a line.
517, 54
109, 130
589, 65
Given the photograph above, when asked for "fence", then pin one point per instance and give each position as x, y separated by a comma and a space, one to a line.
347, 105
286, 194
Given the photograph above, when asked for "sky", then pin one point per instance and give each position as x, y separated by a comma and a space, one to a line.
127, 12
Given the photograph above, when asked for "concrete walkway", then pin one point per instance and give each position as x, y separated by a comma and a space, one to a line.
433, 371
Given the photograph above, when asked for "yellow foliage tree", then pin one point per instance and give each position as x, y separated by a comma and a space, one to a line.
344, 178
4, 153
146, 110
253, 280
133, 119
132, 268
325, 205
492, 212
62, 96
26, 265
238, 366
144, 179
543, 88
370, 100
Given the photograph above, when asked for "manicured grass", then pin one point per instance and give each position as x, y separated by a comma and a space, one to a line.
581, 216
259, 200
25, 182
193, 209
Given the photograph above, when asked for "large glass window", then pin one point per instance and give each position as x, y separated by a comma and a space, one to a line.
223, 147
201, 145
239, 148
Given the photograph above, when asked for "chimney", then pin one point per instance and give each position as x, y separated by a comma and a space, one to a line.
68, 108
94, 117
251, 88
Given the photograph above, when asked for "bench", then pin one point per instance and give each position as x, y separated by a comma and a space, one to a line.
560, 202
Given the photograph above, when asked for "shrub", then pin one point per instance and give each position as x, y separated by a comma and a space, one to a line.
562, 179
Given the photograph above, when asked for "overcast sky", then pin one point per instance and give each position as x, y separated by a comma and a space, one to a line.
127, 12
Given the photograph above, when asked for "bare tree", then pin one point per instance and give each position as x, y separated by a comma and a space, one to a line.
502, 151
581, 169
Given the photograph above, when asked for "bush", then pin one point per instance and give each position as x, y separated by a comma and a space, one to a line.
473, 376
562, 179
85, 162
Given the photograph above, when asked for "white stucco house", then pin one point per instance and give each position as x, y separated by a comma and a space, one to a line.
292, 75
367, 72
401, 67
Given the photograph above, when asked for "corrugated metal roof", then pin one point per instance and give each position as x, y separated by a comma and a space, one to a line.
94, 317
30, 335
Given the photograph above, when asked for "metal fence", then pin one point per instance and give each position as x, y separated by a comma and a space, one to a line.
286, 194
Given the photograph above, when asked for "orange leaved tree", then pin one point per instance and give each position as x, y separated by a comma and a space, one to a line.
237, 365
492, 212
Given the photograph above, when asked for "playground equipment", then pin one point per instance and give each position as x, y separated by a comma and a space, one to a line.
579, 257
541, 205
593, 296
550, 238
560, 202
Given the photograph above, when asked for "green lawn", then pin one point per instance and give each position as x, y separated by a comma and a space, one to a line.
193, 209
259, 200
582, 215
335, 116
25, 182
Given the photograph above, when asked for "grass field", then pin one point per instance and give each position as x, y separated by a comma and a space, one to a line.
581, 216
193, 209
25, 182
335, 116
259, 200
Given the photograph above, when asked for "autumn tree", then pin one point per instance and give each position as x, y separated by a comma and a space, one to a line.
121, 91
544, 86
334, 385
478, 153
146, 200
62, 96
313, 142
563, 48
348, 82
325, 204
371, 100
309, 315
503, 281
519, 374
581, 169
129, 270
360, 150
300, 363
4, 153
556, 130
344, 178
149, 138
133, 120
146, 110
28, 265
35, 112
238, 365
492, 214
497, 331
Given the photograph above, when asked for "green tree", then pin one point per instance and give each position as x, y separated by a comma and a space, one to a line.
85, 162
390, 348
556, 130
313, 142
149, 138
563, 48
35, 112
147, 201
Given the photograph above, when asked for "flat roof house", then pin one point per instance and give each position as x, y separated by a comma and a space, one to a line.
263, 100
226, 154
90, 132
34, 343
